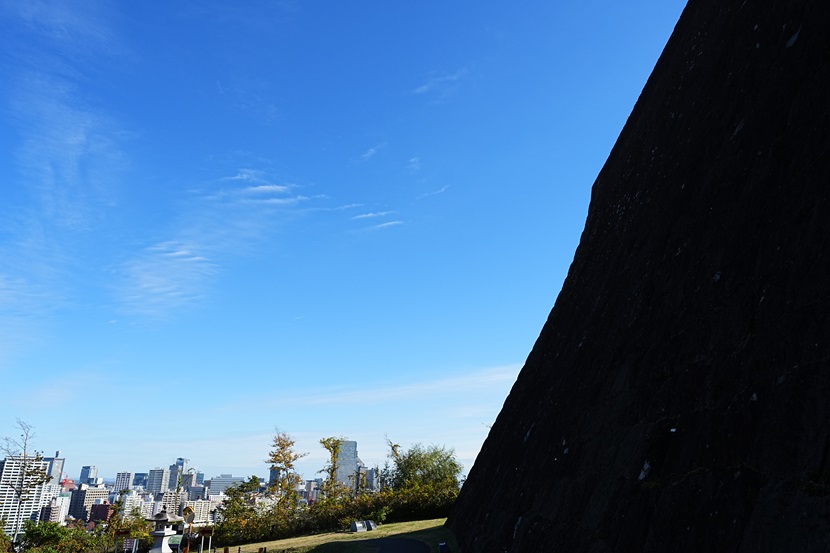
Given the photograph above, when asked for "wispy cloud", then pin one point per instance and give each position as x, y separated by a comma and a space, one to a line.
434, 192
441, 86
372, 152
465, 383
231, 217
165, 276
414, 164
373, 215
386, 225
66, 164
69, 155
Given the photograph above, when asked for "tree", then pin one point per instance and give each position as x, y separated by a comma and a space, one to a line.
238, 516
5, 542
32, 471
133, 521
421, 466
282, 459
331, 486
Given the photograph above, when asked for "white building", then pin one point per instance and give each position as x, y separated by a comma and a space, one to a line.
133, 501
58, 509
12, 474
218, 484
158, 480
201, 511
123, 481
172, 502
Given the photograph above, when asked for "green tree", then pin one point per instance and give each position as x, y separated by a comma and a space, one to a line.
32, 472
5, 542
282, 459
331, 487
133, 521
433, 467
237, 514
50, 537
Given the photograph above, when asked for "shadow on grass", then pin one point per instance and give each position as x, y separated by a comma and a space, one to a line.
430, 536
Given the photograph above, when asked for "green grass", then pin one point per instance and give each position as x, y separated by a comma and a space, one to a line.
430, 532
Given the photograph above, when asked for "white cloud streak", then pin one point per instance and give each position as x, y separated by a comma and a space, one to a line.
372, 215
372, 152
387, 225
434, 192
441, 86
380, 394
231, 219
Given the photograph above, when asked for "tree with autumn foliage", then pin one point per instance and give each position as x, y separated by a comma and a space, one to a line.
331, 487
282, 459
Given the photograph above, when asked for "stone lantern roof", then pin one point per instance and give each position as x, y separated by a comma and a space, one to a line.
163, 519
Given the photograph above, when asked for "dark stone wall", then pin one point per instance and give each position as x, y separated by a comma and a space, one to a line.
678, 397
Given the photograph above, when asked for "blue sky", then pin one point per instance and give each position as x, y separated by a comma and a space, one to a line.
334, 218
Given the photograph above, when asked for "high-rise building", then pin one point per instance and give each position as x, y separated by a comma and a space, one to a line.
218, 484
348, 463
84, 498
57, 509
89, 475
200, 478
123, 481
196, 492
172, 501
12, 473
188, 480
55, 468
158, 480
177, 472
201, 511
132, 501
140, 480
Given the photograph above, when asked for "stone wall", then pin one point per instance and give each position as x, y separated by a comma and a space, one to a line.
678, 397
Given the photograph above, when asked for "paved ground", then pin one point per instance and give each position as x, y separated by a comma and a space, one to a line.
400, 545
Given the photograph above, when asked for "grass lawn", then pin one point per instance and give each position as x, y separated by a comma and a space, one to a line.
431, 532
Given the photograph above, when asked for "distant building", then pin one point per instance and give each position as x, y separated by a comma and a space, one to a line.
89, 474
200, 478
57, 510
140, 480
201, 511
100, 511
84, 498
55, 468
158, 480
123, 481
188, 480
178, 473
372, 479
196, 492
218, 484
132, 501
11, 470
172, 501
348, 463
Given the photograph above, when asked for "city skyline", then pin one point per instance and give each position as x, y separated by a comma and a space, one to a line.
330, 219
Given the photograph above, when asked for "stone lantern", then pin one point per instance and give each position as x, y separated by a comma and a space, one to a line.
163, 531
